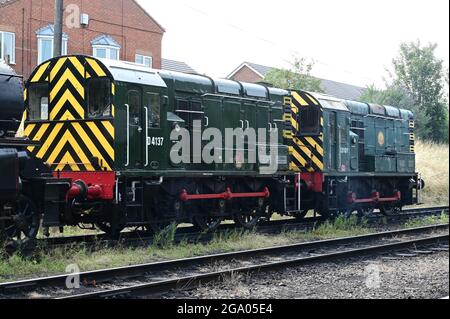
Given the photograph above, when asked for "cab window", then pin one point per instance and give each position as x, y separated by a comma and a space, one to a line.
99, 97
154, 110
38, 102
134, 102
309, 118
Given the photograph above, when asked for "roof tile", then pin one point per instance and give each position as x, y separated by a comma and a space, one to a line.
176, 66
333, 88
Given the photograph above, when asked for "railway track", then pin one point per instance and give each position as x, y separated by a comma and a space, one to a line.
190, 234
157, 278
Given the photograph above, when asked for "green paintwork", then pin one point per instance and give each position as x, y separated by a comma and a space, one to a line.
217, 104
367, 138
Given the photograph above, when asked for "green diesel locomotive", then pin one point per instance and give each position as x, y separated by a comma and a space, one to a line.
112, 131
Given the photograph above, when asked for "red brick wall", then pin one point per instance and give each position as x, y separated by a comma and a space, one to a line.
123, 20
245, 74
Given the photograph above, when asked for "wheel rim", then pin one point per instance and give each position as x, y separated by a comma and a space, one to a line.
301, 215
162, 229
389, 211
108, 229
207, 223
25, 221
365, 212
247, 220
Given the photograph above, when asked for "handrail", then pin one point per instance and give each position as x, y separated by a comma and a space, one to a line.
146, 135
128, 135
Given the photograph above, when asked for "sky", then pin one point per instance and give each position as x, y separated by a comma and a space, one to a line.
351, 41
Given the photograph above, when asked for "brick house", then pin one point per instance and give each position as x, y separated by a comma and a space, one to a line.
254, 73
115, 29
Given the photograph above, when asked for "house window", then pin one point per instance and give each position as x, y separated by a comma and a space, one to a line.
45, 48
38, 102
105, 47
144, 60
106, 52
8, 47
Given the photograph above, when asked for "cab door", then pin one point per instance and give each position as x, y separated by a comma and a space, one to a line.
332, 127
134, 128
248, 121
155, 122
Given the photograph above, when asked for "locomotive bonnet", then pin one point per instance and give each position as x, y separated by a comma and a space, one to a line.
11, 100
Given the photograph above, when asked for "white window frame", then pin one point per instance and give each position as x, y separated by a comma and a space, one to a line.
143, 59
65, 42
108, 49
12, 59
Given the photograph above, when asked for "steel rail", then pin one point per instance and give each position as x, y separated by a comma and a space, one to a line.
190, 232
126, 272
201, 279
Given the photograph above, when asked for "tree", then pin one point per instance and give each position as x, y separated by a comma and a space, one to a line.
417, 84
420, 73
298, 77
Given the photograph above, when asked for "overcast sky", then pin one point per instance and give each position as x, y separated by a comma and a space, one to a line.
351, 41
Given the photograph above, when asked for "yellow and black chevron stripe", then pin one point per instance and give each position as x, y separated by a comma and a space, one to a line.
307, 153
70, 141
412, 137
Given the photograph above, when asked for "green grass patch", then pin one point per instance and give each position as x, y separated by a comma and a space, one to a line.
163, 248
427, 221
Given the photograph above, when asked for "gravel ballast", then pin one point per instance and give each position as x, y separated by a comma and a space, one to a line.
424, 276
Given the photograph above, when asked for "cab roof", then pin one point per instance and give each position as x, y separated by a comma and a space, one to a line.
129, 72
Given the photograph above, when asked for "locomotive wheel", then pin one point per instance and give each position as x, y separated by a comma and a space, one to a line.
365, 212
389, 211
107, 228
301, 215
160, 228
246, 221
24, 222
158, 224
249, 221
207, 223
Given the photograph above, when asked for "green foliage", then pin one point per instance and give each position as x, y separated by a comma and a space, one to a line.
427, 221
418, 84
298, 77
166, 237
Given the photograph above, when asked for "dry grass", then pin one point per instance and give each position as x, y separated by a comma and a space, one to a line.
432, 163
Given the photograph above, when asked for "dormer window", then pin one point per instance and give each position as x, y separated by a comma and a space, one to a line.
105, 47
45, 43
